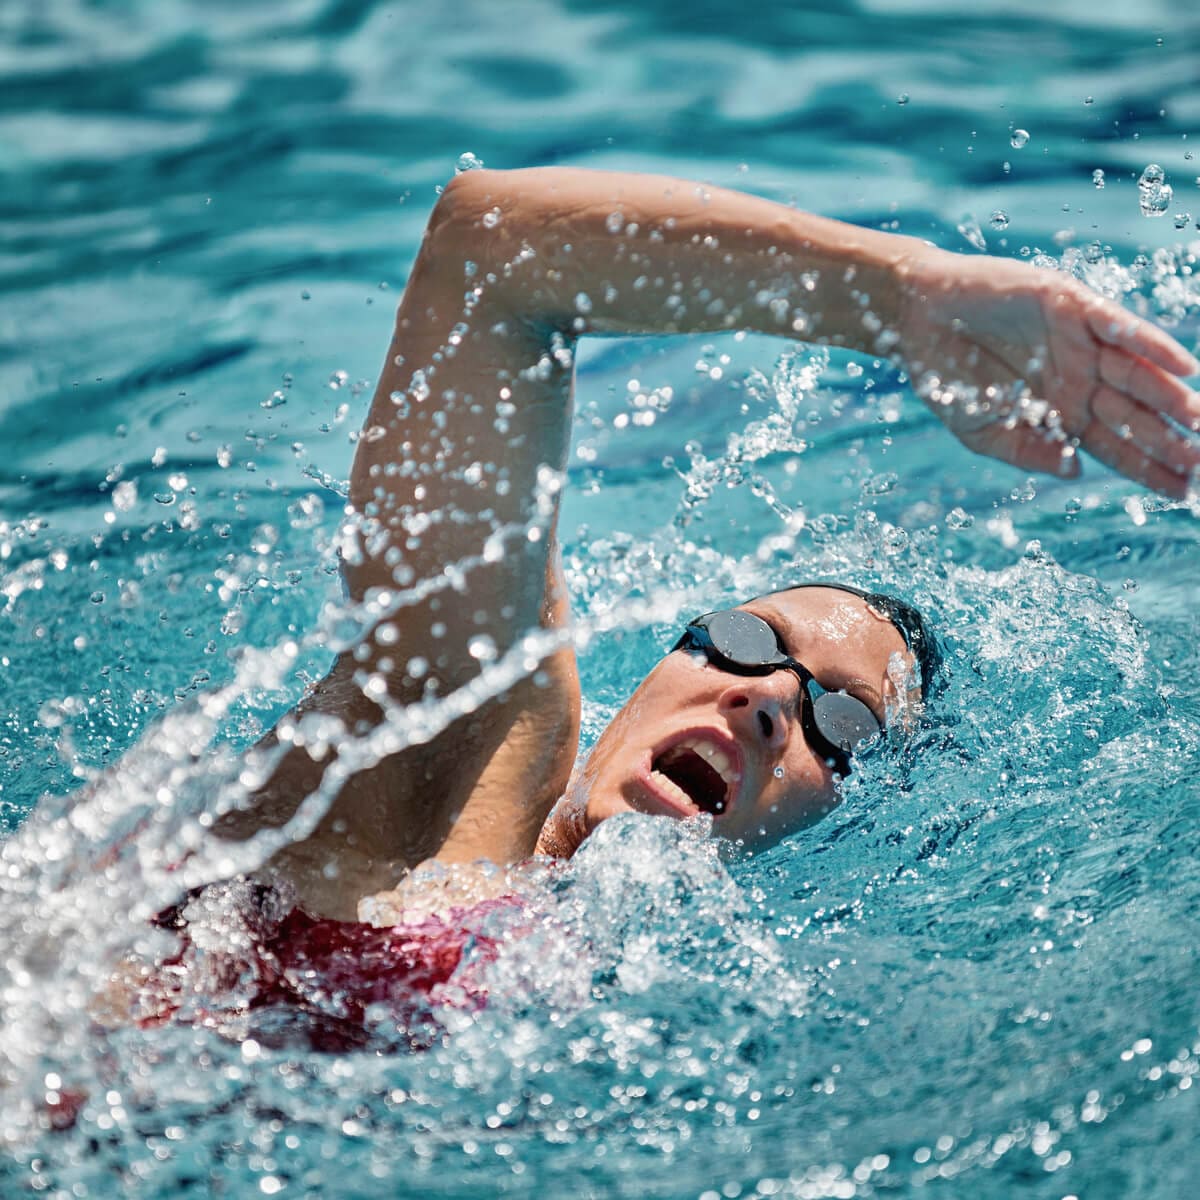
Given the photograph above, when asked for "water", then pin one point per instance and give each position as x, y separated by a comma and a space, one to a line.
977, 977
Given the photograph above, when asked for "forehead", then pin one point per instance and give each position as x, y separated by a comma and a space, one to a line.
832, 630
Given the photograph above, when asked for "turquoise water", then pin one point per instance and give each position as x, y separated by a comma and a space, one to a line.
978, 977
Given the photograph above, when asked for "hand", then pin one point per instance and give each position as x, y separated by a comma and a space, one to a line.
1025, 364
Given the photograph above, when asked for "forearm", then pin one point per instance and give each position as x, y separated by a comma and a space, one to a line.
590, 252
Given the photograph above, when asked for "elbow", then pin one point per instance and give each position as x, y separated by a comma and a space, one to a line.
470, 217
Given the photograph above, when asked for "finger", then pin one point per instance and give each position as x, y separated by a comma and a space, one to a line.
1113, 326
1123, 456
1151, 385
1135, 422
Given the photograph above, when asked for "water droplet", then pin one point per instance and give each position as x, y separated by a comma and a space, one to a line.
1089, 100
1020, 137
97, 597
1098, 177
307, 512
482, 648
902, 98
164, 498
125, 495
999, 219
1154, 193
1182, 219
274, 400
467, 162
306, 294
969, 228
959, 518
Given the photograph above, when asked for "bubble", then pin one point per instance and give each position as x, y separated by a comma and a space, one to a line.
999, 219
1182, 220
1098, 177
1089, 100
468, 162
491, 218
959, 518
614, 222
778, 772
902, 98
97, 597
274, 400
1020, 137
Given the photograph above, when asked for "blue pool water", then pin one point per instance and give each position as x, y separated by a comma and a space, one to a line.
977, 978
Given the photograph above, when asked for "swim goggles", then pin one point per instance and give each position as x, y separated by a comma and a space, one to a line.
737, 641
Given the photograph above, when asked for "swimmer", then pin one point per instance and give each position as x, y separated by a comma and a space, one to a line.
755, 714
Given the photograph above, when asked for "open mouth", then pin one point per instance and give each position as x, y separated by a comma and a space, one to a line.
699, 771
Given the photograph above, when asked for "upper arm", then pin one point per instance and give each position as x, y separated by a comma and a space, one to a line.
449, 486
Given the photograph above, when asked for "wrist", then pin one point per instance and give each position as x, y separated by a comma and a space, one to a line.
854, 285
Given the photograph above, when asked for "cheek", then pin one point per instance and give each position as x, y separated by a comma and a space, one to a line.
801, 796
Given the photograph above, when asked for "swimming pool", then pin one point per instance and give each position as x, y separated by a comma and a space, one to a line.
977, 977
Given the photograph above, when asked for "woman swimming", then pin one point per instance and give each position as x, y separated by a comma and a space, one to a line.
455, 492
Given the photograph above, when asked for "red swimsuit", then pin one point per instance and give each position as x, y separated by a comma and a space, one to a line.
332, 984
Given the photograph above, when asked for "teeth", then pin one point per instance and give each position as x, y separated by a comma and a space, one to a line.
670, 786
715, 757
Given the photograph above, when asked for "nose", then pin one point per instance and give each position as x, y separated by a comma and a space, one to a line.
761, 708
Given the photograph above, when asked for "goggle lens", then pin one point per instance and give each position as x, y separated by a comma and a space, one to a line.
843, 720
743, 638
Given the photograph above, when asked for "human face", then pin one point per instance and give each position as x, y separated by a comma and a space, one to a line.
746, 728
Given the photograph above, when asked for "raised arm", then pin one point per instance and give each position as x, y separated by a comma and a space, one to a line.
455, 483
1021, 363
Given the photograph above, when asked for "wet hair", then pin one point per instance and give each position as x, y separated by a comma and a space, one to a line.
913, 627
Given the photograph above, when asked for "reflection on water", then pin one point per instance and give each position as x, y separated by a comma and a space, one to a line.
979, 970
